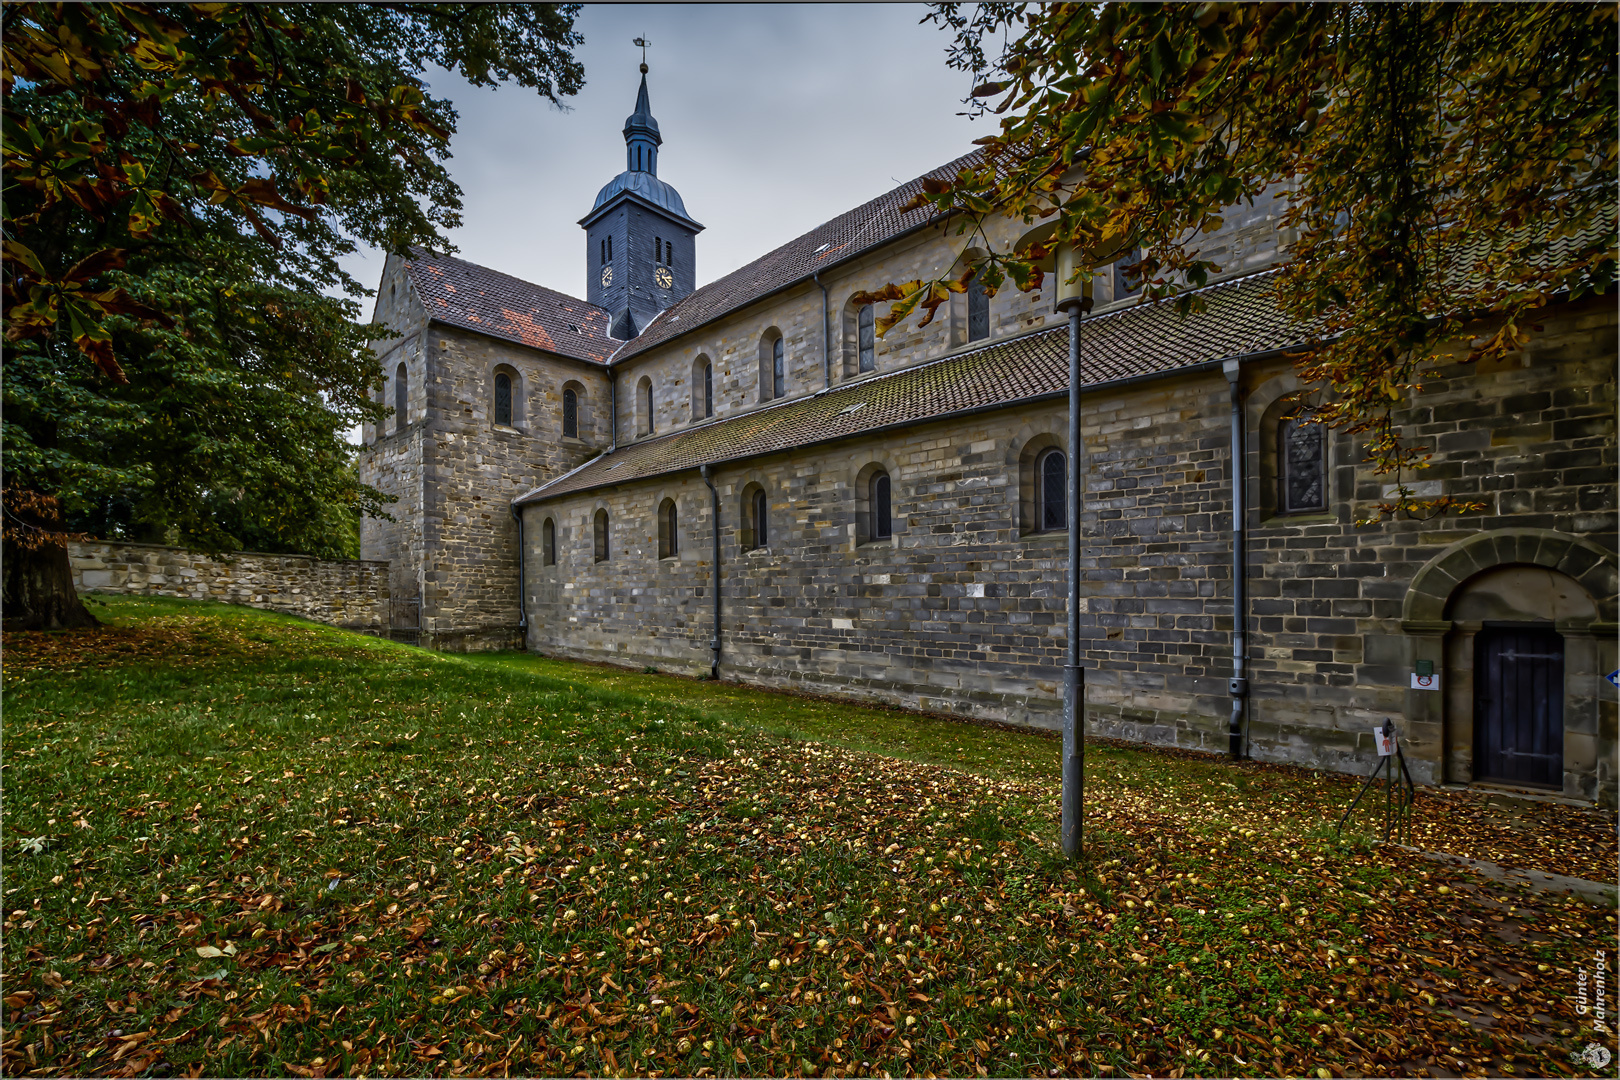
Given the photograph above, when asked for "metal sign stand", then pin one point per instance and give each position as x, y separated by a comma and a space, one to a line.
1399, 791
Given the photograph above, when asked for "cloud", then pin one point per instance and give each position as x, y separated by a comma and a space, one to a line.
775, 118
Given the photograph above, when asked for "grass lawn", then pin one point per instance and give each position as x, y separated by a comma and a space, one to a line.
241, 844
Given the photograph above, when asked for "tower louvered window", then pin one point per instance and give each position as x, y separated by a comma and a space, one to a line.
778, 376
708, 390
570, 414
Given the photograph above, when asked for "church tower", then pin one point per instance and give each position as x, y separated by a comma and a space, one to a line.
640, 244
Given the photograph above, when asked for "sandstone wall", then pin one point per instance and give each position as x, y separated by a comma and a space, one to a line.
393, 458
476, 467
351, 593
1251, 239
963, 610
453, 542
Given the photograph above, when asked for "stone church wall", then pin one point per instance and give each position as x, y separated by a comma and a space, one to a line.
393, 458
733, 343
475, 468
963, 613
352, 593
1249, 240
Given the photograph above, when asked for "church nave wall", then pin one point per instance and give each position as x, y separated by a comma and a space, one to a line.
475, 467
962, 610
733, 342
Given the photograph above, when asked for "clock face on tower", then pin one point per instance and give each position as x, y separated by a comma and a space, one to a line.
664, 278
607, 276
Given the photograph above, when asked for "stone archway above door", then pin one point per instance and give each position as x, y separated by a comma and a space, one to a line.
1490, 575
1578, 558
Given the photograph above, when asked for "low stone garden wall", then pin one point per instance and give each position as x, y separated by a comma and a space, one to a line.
351, 593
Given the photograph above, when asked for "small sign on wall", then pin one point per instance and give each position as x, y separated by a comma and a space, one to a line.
1425, 682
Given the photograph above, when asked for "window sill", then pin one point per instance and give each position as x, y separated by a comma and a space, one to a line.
758, 551
1314, 517
506, 429
1045, 536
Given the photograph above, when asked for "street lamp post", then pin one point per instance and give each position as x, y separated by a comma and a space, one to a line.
1073, 296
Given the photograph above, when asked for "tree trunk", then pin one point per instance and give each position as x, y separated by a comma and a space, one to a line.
38, 591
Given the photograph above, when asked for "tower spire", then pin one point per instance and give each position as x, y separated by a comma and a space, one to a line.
641, 137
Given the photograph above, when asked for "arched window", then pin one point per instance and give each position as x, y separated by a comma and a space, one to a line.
978, 309
601, 536
758, 511
503, 399
644, 396
772, 373
1052, 491
548, 543
702, 388
1301, 470
669, 539
570, 414
402, 396
1127, 275
867, 337
882, 526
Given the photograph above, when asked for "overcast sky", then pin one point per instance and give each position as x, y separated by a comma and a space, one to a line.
775, 118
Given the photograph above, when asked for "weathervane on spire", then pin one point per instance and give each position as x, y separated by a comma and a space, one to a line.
643, 42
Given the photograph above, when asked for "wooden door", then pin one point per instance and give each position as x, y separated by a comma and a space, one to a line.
1519, 706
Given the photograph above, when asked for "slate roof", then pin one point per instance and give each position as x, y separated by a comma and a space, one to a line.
646, 186
1241, 317
864, 227
464, 294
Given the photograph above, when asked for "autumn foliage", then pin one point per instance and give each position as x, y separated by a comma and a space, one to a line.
243, 844
1449, 169
183, 182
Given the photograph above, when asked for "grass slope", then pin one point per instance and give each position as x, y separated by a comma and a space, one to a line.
237, 843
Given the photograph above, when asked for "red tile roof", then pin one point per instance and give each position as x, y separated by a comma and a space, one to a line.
464, 294
1240, 317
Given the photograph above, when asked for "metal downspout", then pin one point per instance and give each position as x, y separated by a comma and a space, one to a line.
714, 575
1238, 685
523, 607
826, 335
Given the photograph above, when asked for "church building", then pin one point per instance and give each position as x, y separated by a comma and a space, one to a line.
741, 480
